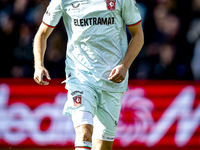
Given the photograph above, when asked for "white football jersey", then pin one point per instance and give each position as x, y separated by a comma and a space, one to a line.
97, 40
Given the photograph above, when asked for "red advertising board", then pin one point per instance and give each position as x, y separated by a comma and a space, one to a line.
154, 115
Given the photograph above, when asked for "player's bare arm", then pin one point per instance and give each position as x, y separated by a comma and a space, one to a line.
118, 73
39, 48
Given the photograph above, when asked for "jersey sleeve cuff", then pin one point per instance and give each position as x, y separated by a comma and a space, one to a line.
134, 24
48, 25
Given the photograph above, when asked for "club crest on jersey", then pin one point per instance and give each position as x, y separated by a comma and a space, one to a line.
111, 4
77, 100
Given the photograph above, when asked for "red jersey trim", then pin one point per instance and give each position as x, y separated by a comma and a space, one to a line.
48, 25
134, 23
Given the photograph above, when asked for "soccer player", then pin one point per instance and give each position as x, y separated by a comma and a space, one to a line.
97, 61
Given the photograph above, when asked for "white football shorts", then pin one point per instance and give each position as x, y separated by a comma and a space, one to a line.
103, 105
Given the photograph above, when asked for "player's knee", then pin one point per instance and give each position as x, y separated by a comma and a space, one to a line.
85, 136
84, 133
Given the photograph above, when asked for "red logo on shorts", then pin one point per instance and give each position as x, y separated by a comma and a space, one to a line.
111, 4
77, 100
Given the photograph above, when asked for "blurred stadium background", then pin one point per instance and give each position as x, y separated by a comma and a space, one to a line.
164, 95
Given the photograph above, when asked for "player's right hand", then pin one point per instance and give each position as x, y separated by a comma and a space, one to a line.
118, 74
40, 72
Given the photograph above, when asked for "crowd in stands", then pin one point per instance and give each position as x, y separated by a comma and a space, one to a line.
171, 49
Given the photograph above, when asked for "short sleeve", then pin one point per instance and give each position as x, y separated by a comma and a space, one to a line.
130, 13
53, 13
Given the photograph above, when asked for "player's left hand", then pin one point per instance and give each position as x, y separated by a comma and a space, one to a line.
118, 74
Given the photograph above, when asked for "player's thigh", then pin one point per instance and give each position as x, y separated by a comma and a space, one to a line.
101, 145
107, 116
106, 120
80, 98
